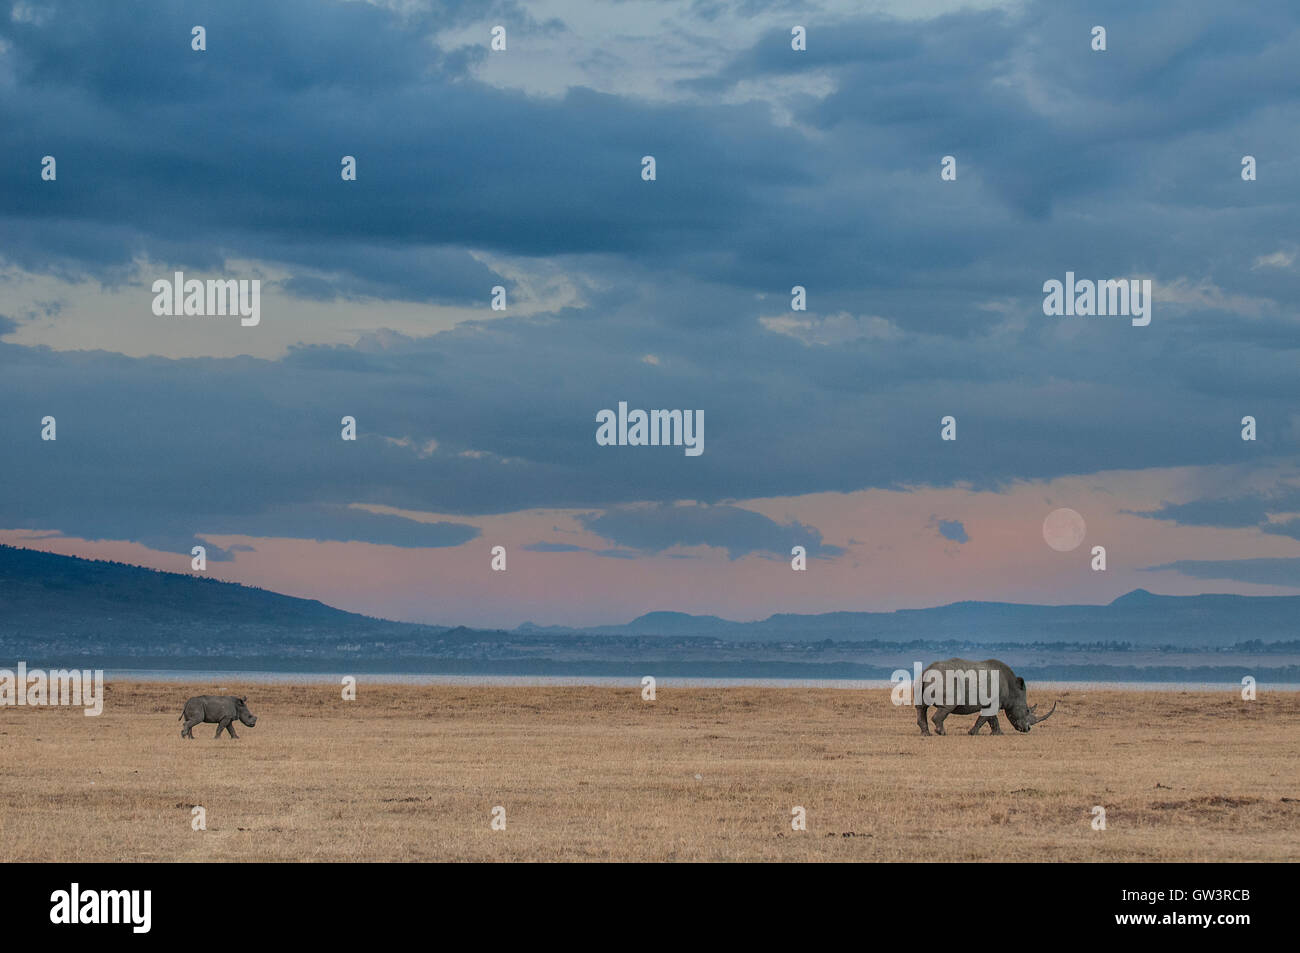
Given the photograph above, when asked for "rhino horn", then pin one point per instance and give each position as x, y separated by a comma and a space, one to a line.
1035, 719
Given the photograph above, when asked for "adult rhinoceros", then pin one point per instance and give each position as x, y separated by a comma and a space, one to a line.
953, 690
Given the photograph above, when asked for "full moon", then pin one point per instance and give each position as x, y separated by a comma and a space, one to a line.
1064, 529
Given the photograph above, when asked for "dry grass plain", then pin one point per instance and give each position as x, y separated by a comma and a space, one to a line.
413, 772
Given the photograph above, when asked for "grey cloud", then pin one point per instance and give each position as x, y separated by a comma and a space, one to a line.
197, 158
1268, 572
739, 531
953, 530
1231, 512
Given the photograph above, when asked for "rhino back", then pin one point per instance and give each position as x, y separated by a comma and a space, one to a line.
210, 707
1008, 685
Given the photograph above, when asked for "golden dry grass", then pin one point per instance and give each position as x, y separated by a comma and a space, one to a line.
412, 773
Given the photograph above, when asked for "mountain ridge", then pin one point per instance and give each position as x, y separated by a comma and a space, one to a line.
44, 594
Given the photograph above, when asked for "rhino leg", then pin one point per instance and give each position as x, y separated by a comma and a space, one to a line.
940, 713
221, 726
920, 719
991, 720
230, 728
188, 730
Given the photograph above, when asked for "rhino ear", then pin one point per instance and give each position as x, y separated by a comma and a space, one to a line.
1021, 683
244, 698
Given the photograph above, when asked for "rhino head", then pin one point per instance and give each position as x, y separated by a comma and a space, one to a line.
1022, 715
242, 712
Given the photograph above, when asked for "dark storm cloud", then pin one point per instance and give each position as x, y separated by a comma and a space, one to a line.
242, 145
193, 157
1103, 164
1100, 159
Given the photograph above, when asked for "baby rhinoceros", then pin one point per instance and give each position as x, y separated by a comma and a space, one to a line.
222, 709
959, 687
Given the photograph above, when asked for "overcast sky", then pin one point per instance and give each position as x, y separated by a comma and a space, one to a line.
775, 168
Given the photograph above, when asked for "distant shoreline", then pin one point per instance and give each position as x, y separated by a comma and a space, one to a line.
1065, 668
134, 676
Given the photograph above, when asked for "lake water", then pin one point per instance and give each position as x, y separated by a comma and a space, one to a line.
406, 678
